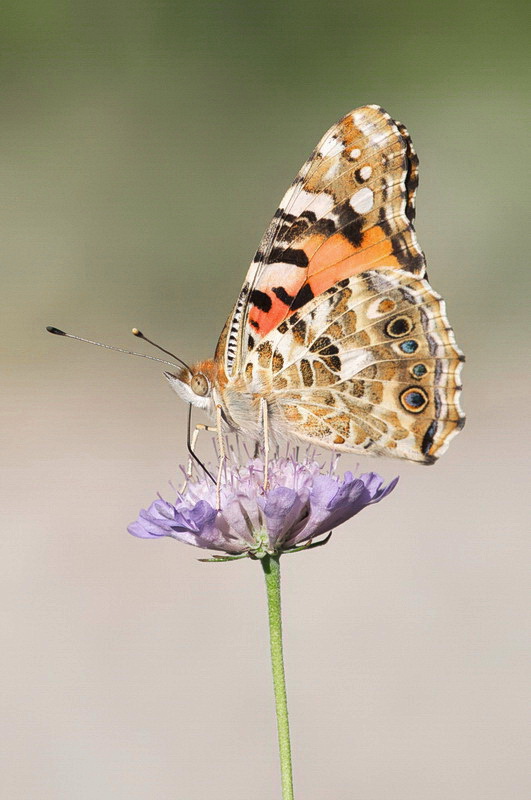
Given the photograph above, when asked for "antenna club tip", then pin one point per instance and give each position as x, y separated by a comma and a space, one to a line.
136, 332
57, 331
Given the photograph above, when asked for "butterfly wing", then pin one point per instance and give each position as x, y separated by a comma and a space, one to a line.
350, 209
369, 365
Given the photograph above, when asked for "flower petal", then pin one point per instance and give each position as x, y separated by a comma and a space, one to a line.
145, 530
284, 509
301, 503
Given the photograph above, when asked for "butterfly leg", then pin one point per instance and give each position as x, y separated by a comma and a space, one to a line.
265, 427
222, 455
195, 435
191, 449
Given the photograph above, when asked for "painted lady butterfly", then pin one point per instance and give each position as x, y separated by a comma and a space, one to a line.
337, 338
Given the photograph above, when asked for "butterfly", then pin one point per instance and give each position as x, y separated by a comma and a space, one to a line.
337, 339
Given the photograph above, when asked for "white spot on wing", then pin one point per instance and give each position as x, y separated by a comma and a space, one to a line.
301, 200
329, 144
332, 171
365, 125
366, 173
379, 137
355, 153
353, 361
362, 201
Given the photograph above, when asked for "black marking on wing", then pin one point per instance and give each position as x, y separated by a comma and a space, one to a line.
303, 296
323, 345
261, 300
412, 176
349, 223
383, 222
404, 256
288, 255
428, 438
324, 227
282, 295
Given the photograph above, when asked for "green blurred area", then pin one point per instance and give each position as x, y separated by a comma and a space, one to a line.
144, 147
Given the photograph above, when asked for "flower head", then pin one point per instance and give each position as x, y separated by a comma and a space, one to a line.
300, 503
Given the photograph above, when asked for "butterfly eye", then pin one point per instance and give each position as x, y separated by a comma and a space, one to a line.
200, 385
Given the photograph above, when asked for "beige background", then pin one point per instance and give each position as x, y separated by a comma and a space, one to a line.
143, 148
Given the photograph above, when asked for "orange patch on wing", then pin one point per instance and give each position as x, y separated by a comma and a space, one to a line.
331, 259
264, 321
337, 258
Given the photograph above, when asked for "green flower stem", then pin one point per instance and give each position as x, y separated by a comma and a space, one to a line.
271, 567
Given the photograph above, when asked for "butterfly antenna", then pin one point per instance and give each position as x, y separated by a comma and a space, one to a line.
59, 332
140, 335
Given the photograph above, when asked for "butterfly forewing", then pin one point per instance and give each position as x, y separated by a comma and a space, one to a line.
349, 209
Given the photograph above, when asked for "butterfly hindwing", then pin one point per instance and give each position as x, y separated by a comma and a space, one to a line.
369, 365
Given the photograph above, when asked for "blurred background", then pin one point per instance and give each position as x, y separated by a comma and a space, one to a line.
144, 147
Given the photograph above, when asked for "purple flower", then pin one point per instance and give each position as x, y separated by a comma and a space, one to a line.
300, 504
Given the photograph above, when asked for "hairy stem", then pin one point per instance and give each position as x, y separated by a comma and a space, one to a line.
271, 567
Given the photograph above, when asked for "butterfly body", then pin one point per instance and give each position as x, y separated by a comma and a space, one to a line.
238, 400
337, 333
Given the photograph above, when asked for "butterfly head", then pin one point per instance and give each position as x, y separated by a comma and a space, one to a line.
195, 385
